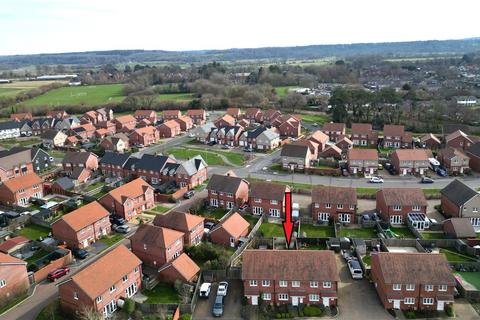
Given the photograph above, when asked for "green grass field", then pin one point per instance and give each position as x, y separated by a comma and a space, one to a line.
158, 210
363, 233
317, 231
315, 118
402, 232
162, 293
33, 232
175, 97
471, 277
92, 95
216, 213
453, 256
14, 88
432, 235
269, 230
212, 158
283, 91
111, 239
6, 92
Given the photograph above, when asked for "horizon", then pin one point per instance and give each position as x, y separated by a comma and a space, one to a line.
55, 26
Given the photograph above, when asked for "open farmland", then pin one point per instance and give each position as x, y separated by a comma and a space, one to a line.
14, 88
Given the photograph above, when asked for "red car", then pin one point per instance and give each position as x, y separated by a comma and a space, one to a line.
58, 273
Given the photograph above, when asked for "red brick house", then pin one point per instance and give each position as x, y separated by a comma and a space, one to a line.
254, 115
459, 140
417, 281
57, 114
185, 122
14, 163
290, 128
190, 225
362, 160
331, 152
182, 268
171, 114
145, 136
268, 199
156, 246
394, 204
334, 203
82, 160
320, 138
125, 123
199, 116
271, 115
19, 190
13, 278
334, 130
395, 136
192, 173
21, 116
363, 135
109, 125
460, 201
101, 133
410, 161
101, 284
83, 226
227, 191
474, 153
150, 115
169, 129
129, 199
229, 231
430, 141
229, 135
234, 112
454, 160
226, 120
291, 277
119, 143
344, 143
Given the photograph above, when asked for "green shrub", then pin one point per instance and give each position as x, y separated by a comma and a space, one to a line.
449, 310
312, 311
129, 306
186, 316
410, 314
278, 316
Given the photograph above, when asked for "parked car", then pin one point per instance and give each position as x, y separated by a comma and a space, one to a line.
57, 273
355, 269
191, 134
376, 180
442, 172
211, 143
188, 194
80, 253
217, 310
345, 172
121, 229
222, 288
205, 290
207, 226
427, 180
248, 149
119, 221
243, 207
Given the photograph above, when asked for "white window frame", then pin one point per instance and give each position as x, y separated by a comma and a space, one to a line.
266, 296
3, 283
396, 287
429, 287
314, 297
75, 295
295, 284
428, 301
112, 288
323, 216
283, 296
283, 283
99, 299
327, 284
416, 208
265, 283
410, 287
253, 283
409, 300
313, 284
328, 205
397, 208
339, 206
443, 287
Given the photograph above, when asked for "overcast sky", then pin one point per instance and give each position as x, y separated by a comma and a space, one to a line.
45, 26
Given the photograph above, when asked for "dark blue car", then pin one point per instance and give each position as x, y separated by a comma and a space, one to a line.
442, 172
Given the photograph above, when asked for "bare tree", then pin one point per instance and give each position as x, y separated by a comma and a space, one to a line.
294, 100
88, 313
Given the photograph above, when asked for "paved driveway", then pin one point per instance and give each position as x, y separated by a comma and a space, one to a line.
232, 308
357, 299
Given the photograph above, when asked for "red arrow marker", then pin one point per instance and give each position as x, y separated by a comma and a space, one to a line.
288, 224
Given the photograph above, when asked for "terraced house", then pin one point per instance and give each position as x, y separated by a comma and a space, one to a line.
418, 281
334, 203
268, 199
103, 283
395, 136
410, 161
227, 191
290, 277
362, 160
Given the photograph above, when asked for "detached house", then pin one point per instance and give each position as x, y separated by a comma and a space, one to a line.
149, 115
270, 116
129, 199
144, 136
156, 246
234, 112
249, 138
229, 231
396, 204
190, 225
13, 279
227, 191
430, 141
290, 277
125, 123
53, 138
100, 285
73, 161
417, 281
454, 160
115, 143
460, 201
199, 116
171, 114
410, 161
364, 135
268, 140
268, 198
290, 127
169, 129
295, 157
185, 123
254, 115
19, 190
83, 226
334, 203
226, 120
459, 139
395, 136
191, 173
202, 133
334, 130
321, 139
362, 160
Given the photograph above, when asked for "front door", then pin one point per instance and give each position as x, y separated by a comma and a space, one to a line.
254, 300
404, 172
396, 304
326, 301
371, 170
85, 243
354, 170
440, 305
294, 301
232, 242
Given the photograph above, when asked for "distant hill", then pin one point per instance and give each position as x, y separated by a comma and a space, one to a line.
389, 49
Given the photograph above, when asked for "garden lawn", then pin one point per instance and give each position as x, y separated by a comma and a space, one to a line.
162, 293
317, 231
158, 209
471, 277
56, 153
270, 230
111, 239
95, 186
37, 255
90, 95
315, 118
100, 194
216, 213
8, 143
33, 232
453, 256
363, 233
212, 158
284, 90
367, 260
251, 219
403, 232
432, 235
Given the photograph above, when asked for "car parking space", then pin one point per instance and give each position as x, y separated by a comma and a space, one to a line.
232, 303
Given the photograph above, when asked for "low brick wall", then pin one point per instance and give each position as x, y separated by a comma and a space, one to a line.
159, 197
43, 272
323, 171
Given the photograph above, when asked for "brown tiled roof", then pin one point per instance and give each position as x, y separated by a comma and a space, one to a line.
363, 154
185, 266
312, 145
416, 268
146, 130
143, 113
301, 265
235, 225
411, 154
8, 259
9, 244
345, 139
334, 195
228, 118
77, 157
294, 151
269, 191
171, 124
331, 150
102, 131
195, 112
361, 128
233, 111
407, 137
177, 220
252, 111
319, 137
333, 126
429, 136
393, 130
125, 119
461, 226
132, 189
450, 152
224, 183
98, 277
456, 134
85, 216
22, 182
403, 196
185, 119
156, 236
167, 113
